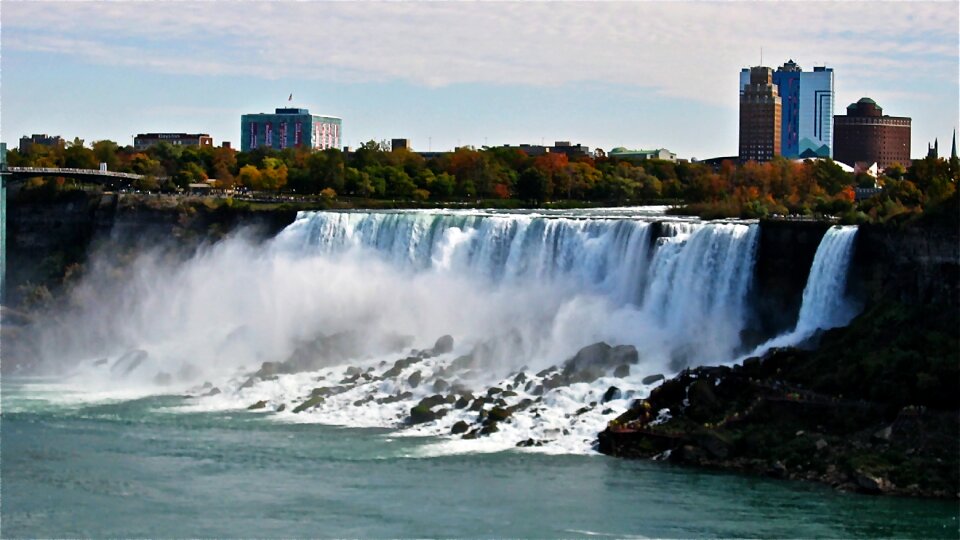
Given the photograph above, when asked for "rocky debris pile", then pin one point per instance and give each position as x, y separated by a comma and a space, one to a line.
755, 418
435, 391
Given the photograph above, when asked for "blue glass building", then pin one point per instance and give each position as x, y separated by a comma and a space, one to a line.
290, 128
807, 114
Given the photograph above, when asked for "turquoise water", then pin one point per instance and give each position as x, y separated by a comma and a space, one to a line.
137, 468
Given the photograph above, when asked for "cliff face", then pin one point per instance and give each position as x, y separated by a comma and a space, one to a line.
44, 238
914, 265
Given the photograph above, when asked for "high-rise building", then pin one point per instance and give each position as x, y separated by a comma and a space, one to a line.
288, 128
760, 110
866, 135
807, 109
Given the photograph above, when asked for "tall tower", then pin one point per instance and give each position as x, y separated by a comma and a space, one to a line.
760, 109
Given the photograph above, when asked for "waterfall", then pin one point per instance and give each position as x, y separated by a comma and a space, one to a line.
825, 304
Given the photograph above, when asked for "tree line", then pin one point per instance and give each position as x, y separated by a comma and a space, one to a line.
374, 171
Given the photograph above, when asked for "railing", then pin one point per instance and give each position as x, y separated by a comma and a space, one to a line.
58, 171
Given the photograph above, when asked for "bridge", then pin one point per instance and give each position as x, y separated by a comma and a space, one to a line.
94, 175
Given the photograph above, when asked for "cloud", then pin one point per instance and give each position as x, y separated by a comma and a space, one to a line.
687, 50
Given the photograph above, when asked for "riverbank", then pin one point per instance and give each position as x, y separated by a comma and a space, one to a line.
873, 409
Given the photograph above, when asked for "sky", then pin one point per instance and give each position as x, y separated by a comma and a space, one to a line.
444, 74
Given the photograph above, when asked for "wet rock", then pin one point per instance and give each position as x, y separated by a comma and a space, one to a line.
459, 427
611, 394
538, 390
421, 414
308, 404
489, 428
778, 470
395, 398
498, 414
508, 393
519, 379
440, 385
352, 371
581, 410
821, 444
622, 371
593, 361
466, 361
545, 372
400, 365
282, 407
462, 402
267, 369
414, 379
213, 391
494, 391
443, 345
651, 379
869, 483
530, 443
262, 404
249, 383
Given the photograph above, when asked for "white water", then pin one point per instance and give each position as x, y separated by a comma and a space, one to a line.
825, 303
528, 290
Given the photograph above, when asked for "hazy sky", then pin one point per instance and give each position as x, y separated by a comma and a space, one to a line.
602, 74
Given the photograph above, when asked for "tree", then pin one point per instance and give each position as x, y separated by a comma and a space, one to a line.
532, 185
77, 156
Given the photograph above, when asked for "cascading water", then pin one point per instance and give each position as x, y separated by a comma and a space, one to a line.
338, 292
825, 303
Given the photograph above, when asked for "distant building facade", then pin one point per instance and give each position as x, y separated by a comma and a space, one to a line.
866, 135
639, 155
289, 128
807, 100
400, 144
145, 140
760, 116
570, 150
42, 139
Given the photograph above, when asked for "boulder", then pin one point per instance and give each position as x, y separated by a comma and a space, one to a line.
459, 427
594, 361
310, 403
611, 394
622, 371
262, 404
443, 345
651, 379
213, 391
498, 414
440, 385
414, 379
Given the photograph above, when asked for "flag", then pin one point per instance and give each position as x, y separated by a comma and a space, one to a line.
290, 98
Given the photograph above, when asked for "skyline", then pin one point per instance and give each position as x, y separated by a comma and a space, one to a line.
445, 75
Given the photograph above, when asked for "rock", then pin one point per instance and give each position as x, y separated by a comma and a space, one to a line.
593, 361
821, 444
414, 379
401, 365
310, 403
258, 405
393, 399
884, 434
440, 385
611, 394
462, 402
622, 371
778, 470
443, 345
545, 372
508, 393
869, 483
519, 379
250, 382
581, 410
498, 414
538, 390
715, 444
494, 391
352, 371
489, 428
213, 391
421, 413
459, 427
267, 369
651, 379
282, 407
529, 443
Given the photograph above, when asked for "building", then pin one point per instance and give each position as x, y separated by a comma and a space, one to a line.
641, 155
570, 150
400, 144
866, 135
289, 128
42, 139
760, 116
807, 99
145, 140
